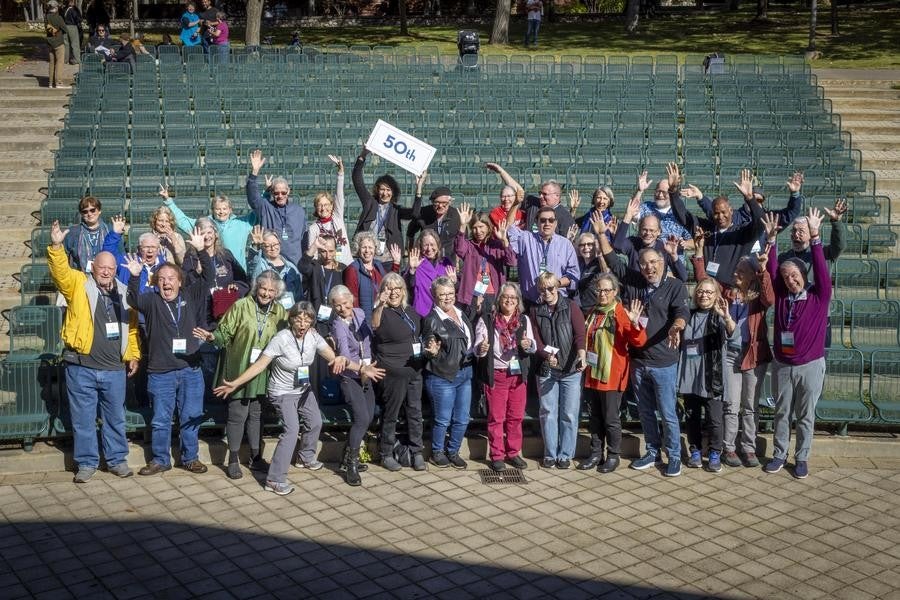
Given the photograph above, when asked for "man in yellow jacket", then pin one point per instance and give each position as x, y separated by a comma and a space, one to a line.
100, 332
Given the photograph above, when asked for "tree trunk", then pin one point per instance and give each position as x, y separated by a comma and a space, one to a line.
311, 8
835, 30
813, 15
254, 22
762, 10
404, 28
500, 32
632, 15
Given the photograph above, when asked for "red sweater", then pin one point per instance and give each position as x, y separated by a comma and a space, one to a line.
626, 336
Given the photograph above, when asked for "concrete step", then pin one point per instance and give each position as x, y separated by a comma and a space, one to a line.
12, 130
884, 128
29, 182
862, 93
54, 106
873, 141
30, 143
58, 94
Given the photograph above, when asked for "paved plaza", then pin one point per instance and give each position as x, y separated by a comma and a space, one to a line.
445, 534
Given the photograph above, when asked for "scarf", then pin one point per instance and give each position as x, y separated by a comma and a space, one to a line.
507, 330
604, 333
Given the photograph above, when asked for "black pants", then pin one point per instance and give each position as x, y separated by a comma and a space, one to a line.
704, 414
401, 388
244, 413
604, 423
362, 402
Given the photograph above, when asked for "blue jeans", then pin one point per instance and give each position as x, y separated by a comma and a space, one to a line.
182, 390
219, 53
560, 405
89, 389
655, 388
534, 25
451, 402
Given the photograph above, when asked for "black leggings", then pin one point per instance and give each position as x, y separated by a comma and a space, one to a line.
401, 388
704, 414
362, 401
244, 412
604, 423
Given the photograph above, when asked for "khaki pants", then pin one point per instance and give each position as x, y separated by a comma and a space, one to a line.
57, 60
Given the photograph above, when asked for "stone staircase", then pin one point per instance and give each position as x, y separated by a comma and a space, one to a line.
870, 111
30, 116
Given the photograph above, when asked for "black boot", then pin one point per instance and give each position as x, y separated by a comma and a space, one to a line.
591, 461
361, 467
352, 467
234, 466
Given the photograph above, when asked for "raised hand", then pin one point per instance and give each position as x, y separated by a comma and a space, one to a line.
840, 208
814, 218
762, 258
632, 210
673, 174
598, 224
394, 251
383, 296
164, 191
451, 274
691, 191
643, 183
574, 201
197, 239
57, 235
499, 233
270, 179
721, 306
465, 213
572, 233
671, 246
492, 167
118, 223
256, 161
415, 258
745, 185
635, 311
613, 225
364, 152
134, 264
795, 182
699, 240
256, 235
337, 160
420, 182
770, 222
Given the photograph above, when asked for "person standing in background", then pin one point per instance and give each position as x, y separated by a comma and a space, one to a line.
55, 27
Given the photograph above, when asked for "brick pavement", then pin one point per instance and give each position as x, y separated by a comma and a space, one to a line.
739, 534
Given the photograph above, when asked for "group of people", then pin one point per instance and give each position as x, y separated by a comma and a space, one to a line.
206, 27
264, 307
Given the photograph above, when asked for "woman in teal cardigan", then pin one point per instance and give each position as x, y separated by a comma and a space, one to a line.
243, 332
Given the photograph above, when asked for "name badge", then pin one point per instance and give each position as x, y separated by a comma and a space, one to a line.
692, 350
90, 267
592, 359
643, 322
365, 362
551, 349
480, 288
324, 313
284, 234
287, 300
712, 269
543, 267
756, 247
254, 354
381, 247
514, 367
417, 349
302, 376
179, 346
112, 331
787, 341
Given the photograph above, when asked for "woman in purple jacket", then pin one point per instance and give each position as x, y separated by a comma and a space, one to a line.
483, 259
352, 337
425, 265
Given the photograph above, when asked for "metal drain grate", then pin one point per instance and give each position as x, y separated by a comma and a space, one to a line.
507, 476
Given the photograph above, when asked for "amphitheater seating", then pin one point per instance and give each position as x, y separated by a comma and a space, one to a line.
584, 121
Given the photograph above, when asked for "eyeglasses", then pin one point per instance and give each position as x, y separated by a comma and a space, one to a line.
89, 211
447, 295
279, 193
549, 220
706, 292
547, 290
605, 290
582, 245
395, 289
272, 245
512, 298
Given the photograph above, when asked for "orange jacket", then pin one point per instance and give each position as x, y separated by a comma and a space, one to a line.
626, 336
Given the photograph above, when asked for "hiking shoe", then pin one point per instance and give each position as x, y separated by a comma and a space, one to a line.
84, 474
390, 463
497, 465
195, 466
774, 465
418, 462
646, 461
563, 463
457, 462
313, 465
439, 459
234, 471
282, 488
801, 469
611, 464
673, 469
121, 470
259, 464
153, 468
517, 462
695, 461
732, 459
750, 460
714, 464
548, 463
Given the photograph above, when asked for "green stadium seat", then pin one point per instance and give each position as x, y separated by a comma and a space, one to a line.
842, 398
884, 385
856, 278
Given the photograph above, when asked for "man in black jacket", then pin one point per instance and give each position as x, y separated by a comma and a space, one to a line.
72, 18
440, 216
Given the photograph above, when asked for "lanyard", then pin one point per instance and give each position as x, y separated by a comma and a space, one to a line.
281, 211
381, 217
545, 248
327, 282
354, 331
109, 307
300, 347
175, 322
406, 319
648, 295
261, 323
792, 299
440, 227
215, 265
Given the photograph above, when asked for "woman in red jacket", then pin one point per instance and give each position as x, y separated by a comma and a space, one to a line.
611, 331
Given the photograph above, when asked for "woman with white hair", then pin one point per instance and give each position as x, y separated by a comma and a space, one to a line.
243, 332
352, 337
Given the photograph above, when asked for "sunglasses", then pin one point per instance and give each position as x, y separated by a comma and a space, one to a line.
88, 211
542, 221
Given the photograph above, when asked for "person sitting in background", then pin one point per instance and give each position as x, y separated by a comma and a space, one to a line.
87, 238
100, 42
124, 53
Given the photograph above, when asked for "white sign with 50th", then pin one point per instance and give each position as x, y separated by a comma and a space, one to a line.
400, 148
